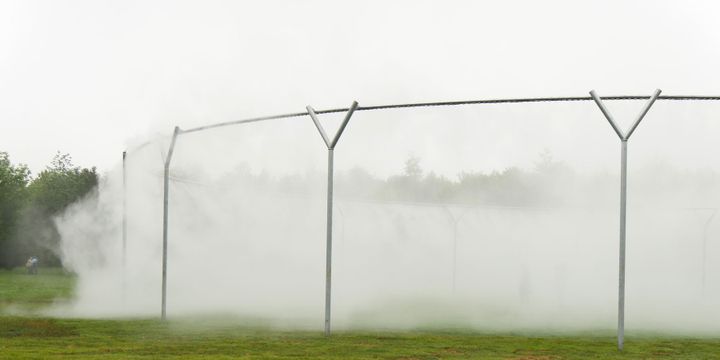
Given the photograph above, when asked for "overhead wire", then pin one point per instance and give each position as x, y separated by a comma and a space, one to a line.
452, 103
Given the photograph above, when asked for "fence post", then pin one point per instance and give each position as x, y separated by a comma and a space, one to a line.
624, 137
166, 190
328, 245
124, 223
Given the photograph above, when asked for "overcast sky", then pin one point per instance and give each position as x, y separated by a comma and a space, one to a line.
91, 77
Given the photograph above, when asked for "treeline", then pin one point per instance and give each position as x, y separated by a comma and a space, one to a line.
29, 203
543, 184
547, 183
539, 186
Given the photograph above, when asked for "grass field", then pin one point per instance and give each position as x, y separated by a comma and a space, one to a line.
30, 336
28, 292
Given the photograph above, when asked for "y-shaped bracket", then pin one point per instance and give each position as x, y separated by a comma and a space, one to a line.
331, 143
624, 137
328, 247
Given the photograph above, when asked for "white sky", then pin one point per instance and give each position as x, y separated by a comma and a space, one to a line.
91, 77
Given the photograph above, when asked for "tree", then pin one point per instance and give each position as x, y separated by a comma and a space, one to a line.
13, 196
412, 167
49, 194
61, 184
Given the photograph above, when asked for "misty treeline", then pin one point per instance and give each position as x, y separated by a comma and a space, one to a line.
547, 183
28, 205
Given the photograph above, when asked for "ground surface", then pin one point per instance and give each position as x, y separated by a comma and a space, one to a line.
30, 292
30, 336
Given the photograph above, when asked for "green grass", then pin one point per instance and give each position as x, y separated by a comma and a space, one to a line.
42, 337
33, 291
136, 339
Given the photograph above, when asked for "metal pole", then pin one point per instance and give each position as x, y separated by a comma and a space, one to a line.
124, 221
624, 137
455, 222
704, 250
621, 271
454, 255
328, 244
166, 190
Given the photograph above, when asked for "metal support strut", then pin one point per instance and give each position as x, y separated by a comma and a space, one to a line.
166, 190
704, 250
124, 223
328, 246
455, 222
624, 137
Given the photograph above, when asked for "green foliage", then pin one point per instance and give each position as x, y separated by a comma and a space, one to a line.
61, 184
28, 206
13, 197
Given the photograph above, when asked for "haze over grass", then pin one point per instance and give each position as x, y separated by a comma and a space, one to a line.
536, 246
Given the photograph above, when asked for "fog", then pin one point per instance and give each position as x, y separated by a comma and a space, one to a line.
87, 77
247, 223
499, 243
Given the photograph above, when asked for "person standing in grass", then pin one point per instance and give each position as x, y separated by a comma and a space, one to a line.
31, 265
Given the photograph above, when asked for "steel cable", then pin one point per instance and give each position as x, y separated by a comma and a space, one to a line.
453, 103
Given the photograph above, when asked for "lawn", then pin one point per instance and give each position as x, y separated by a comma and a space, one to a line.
33, 291
41, 337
